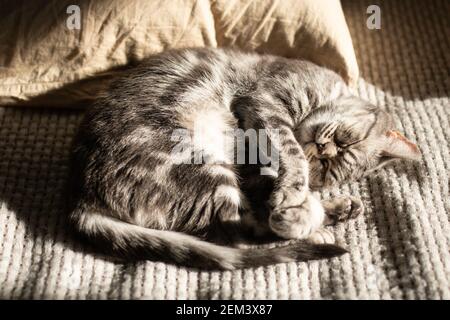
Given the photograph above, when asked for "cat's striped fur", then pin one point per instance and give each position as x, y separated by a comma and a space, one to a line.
134, 197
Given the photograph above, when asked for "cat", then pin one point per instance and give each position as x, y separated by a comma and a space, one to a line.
133, 196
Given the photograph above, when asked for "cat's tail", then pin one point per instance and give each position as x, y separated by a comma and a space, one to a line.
133, 241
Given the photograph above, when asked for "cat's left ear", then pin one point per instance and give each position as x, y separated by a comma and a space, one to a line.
396, 146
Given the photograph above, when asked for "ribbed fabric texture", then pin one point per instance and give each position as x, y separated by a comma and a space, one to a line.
399, 249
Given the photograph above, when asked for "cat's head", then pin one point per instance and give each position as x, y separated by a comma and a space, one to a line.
348, 139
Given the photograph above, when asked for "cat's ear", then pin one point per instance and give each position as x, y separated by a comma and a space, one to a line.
396, 146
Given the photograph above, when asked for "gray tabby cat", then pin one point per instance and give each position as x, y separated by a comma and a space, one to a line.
133, 197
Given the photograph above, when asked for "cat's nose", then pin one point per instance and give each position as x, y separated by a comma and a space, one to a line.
320, 150
326, 150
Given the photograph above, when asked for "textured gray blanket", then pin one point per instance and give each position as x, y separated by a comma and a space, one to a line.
399, 248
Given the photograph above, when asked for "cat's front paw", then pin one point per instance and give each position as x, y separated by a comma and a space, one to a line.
322, 236
341, 209
295, 215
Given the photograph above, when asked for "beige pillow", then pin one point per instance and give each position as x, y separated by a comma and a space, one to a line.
43, 62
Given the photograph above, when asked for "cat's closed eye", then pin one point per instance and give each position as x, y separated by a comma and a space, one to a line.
340, 144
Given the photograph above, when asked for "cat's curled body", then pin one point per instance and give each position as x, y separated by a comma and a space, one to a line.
133, 195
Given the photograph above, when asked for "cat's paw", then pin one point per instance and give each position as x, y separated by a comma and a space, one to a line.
341, 209
322, 236
297, 215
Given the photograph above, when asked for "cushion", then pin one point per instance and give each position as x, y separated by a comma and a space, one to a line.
45, 61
